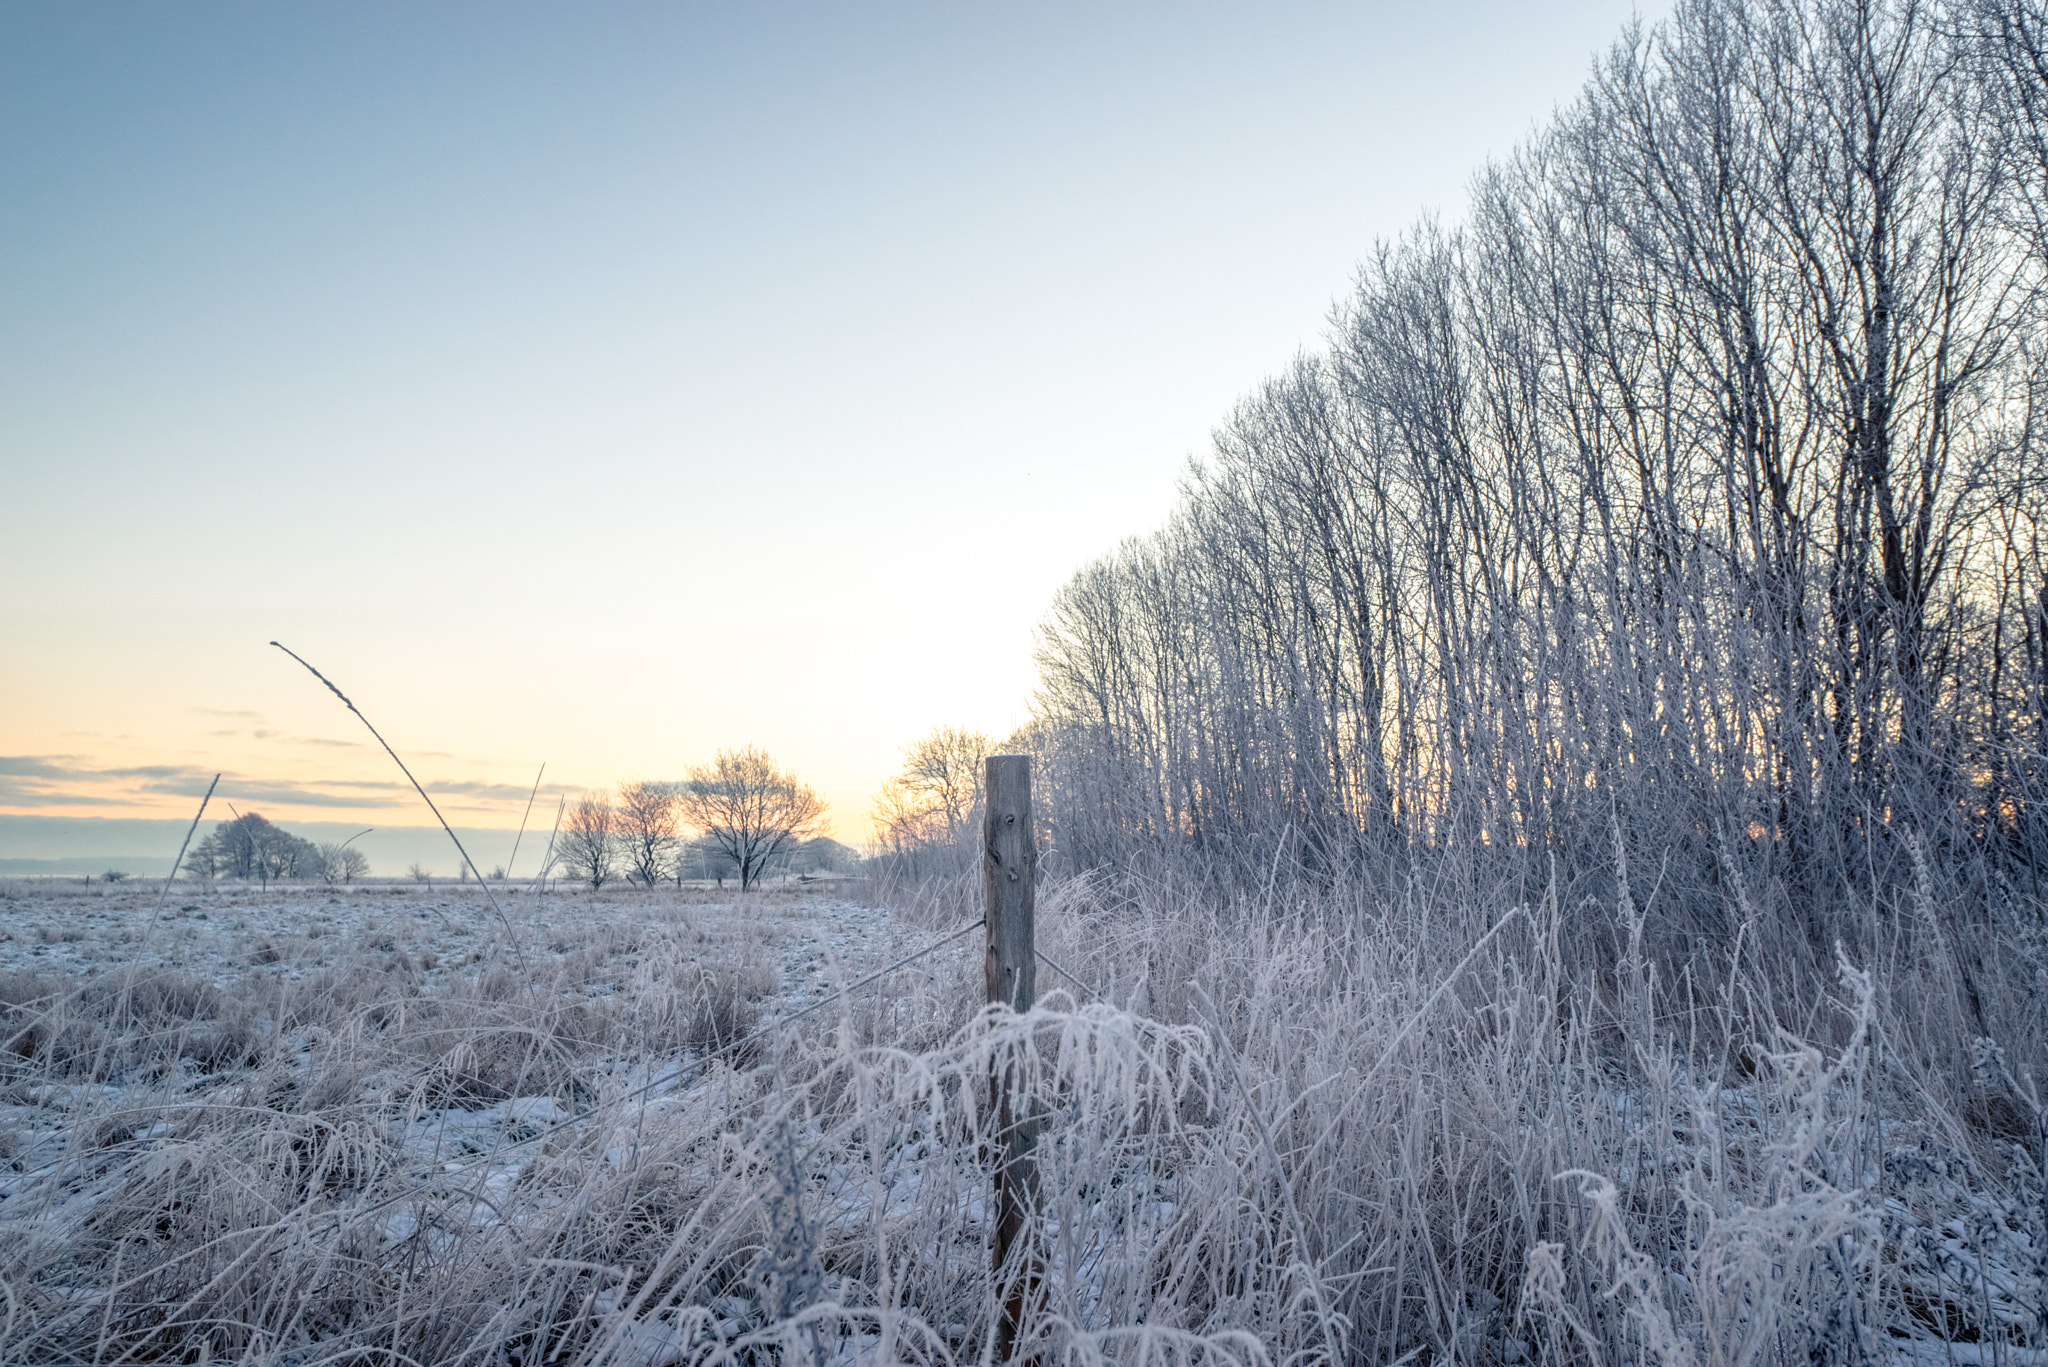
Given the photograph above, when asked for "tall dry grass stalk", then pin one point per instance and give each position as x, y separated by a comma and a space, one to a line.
511, 938
183, 846
538, 775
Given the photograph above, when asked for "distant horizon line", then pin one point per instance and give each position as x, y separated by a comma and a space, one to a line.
115, 841
302, 821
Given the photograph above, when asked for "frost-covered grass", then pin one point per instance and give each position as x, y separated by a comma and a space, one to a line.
1299, 1127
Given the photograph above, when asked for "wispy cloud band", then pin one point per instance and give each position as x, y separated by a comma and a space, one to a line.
65, 780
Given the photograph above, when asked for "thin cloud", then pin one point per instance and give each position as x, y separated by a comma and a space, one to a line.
470, 788
379, 784
261, 733
501, 792
57, 780
48, 781
179, 773
13, 793
40, 766
288, 794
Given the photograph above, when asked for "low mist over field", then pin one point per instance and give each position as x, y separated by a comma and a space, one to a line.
1198, 687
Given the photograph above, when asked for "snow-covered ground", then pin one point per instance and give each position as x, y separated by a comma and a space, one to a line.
463, 1070
432, 1081
764, 957
659, 982
806, 935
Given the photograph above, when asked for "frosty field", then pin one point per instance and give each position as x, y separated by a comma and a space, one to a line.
1533, 852
421, 1042
351, 1125
627, 973
429, 934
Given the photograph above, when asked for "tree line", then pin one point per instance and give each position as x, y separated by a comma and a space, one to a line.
755, 817
1684, 504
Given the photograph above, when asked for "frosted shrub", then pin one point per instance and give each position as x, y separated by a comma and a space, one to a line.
1777, 1254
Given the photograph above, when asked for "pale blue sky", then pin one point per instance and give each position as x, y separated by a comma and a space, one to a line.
608, 383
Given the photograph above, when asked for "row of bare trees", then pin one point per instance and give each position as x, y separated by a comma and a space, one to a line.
1689, 495
753, 816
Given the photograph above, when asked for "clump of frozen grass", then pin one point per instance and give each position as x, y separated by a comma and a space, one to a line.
1424, 1098
1777, 1249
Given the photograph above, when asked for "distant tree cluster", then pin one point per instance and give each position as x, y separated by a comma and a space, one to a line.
754, 819
251, 847
1687, 502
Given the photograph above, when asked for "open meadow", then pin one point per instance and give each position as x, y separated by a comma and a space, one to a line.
180, 1081
384, 1124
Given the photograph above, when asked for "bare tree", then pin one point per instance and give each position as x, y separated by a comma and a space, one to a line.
753, 810
2006, 41
340, 864
944, 768
905, 823
589, 846
251, 847
929, 806
647, 830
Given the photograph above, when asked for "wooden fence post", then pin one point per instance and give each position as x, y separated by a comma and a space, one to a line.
1010, 868
1009, 863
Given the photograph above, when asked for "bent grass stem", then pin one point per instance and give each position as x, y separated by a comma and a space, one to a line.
510, 935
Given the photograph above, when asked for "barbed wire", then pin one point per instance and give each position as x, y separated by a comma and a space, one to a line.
1049, 963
